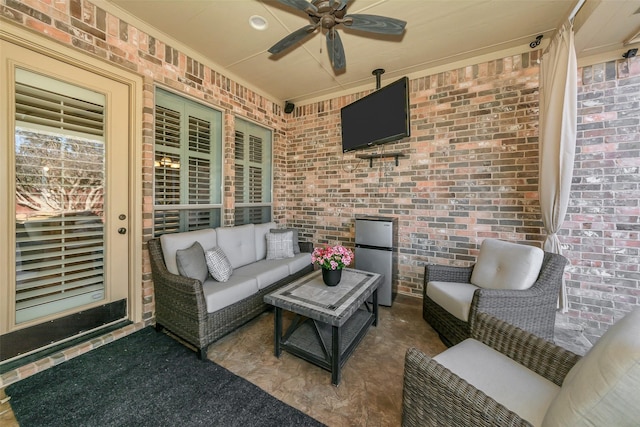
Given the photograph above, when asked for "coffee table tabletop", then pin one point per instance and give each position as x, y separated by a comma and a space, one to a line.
310, 297
330, 321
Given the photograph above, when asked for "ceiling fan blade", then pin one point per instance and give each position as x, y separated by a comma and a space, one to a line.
303, 5
374, 24
336, 50
292, 39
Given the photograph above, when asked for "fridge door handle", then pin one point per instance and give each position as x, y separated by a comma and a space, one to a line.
378, 248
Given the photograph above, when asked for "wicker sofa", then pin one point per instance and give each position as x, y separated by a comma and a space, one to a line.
504, 376
531, 308
201, 313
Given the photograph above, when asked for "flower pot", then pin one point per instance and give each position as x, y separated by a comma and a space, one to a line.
331, 277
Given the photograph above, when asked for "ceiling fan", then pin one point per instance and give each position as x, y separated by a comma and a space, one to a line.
328, 14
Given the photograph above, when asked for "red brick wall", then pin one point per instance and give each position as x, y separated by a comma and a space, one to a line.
471, 172
83, 26
601, 234
470, 169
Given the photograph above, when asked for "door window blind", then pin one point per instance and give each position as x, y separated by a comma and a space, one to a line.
59, 161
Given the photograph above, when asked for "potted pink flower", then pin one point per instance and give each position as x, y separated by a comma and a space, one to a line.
332, 259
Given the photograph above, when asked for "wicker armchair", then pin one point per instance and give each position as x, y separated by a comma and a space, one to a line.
181, 308
532, 309
504, 376
435, 396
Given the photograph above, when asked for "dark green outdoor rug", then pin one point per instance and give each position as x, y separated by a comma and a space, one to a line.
146, 379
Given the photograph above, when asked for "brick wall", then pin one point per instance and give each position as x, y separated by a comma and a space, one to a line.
601, 235
470, 170
82, 25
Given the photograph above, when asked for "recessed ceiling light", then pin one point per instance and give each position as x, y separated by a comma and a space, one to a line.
258, 22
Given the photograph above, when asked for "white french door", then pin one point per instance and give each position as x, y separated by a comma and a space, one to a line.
65, 195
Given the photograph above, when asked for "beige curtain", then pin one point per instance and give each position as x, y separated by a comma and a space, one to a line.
558, 123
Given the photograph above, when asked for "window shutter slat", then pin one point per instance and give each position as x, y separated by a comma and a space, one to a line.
55, 256
49, 110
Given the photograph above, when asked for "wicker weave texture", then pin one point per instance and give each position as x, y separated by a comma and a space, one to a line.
532, 309
435, 396
182, 309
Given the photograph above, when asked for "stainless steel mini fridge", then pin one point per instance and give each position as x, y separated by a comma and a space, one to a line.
377, 251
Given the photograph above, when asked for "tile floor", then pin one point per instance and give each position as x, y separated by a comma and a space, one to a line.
370, 392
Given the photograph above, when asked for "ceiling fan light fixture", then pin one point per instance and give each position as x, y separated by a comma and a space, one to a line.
258, 22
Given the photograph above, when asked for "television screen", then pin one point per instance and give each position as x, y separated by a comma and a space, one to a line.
382, 116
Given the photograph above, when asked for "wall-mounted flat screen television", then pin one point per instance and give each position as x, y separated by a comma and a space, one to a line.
380, 117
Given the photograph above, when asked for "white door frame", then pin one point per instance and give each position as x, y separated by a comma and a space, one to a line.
37, 43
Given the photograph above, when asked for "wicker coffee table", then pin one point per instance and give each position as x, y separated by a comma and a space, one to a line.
329, 322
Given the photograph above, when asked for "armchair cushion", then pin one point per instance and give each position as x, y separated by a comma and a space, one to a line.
452, 296
603, 388
506, 265
501, 378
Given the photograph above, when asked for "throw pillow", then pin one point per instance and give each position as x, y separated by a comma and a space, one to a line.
296, 243
280, 245
191, 262
602, 388
218, 264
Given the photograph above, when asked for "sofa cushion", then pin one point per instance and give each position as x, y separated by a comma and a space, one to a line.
501, 378
296, 242
191, 262
280, 245
266, 272
238, 243
506, 265
298, 262
219, 295
218, 265
172, 242
261, 231
603, 388
453, 297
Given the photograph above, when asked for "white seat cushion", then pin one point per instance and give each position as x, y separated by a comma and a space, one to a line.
266, 272
219, 295
506, 265
238, 243
172, 242
603, 388
453, 297
501, 378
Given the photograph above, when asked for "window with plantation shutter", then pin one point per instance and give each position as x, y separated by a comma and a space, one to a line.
188, 165
252, 173
60, 177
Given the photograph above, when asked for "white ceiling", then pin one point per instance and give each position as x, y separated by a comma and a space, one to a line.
439, 34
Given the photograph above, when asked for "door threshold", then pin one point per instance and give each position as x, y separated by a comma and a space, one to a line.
48, 351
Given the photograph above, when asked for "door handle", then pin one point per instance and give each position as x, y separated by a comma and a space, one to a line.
122, 230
